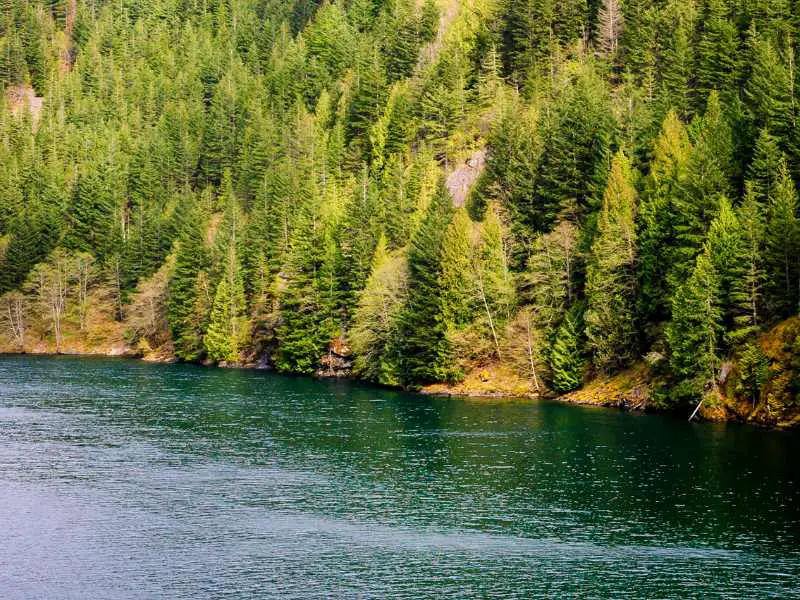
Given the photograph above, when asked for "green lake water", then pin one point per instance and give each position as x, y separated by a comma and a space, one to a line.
120, 479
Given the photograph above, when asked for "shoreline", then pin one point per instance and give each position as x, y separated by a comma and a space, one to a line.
628, 391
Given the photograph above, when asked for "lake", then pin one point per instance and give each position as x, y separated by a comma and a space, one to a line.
121, 479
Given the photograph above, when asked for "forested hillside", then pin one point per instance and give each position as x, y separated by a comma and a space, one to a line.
411, 190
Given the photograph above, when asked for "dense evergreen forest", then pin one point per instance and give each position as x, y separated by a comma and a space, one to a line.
410, 190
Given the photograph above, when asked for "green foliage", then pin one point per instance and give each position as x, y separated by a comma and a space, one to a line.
611, 279
456, 278
263, 177
693, 333
574, 147
425, 354
659, 217
783, 245
375, 320
189, 293
228, 328
307, 301
753, 372
566, 356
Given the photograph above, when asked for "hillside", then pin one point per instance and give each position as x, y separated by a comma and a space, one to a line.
484, 196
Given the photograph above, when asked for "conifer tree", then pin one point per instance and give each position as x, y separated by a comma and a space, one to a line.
550, 281
456, 278
494, 285
783, 246
696, 325
764, 168
307, 324
227, 328
727, 250
611, 283
90, 214
189, 294
677, 58
511, 168
375, 318
751, 217
769, 91
566, 357
424, 352
708, 178
610, 24
717, 51
659, 216
574, 148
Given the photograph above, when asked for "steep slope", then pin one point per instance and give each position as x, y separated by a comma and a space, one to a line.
484, 195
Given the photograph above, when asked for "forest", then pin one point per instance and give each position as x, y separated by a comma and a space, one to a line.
411, 191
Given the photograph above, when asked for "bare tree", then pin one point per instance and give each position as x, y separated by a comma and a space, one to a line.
83, 274
12, 316
609, 28
49, 282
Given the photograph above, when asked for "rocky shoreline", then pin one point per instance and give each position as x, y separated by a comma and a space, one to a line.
630, 390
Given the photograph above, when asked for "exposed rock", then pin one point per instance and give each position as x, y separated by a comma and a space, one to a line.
338, 362
23, 97
461, 180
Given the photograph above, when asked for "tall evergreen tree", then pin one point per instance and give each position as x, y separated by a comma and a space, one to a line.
228, 327
696, 325
424, 352
611, 281
783, 246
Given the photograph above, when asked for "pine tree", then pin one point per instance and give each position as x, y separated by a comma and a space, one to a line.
708, 178
694, 331
575, 146
677, 58
493, 281
751, 215
307, 325
611, 283
375, 318
511, 169
228, 327
727, 250
566, 359
356, 236
783, 246
189, 294
90, 215
717, 50
659, 217
550, 282
456, 278
424, 352
769, 91
763, 170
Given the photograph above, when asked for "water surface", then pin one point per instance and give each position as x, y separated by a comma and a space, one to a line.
120, 479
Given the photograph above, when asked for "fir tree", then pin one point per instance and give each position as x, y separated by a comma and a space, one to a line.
659, 217
751, 218
188, 292
228, 328
425, 355
763, 170
610, 285
696, 325
566, 359
456, 278
783, 246
727, 249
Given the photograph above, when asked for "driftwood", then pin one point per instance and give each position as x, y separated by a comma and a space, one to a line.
699, 404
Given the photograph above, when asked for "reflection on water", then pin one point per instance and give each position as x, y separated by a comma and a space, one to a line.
121, 479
